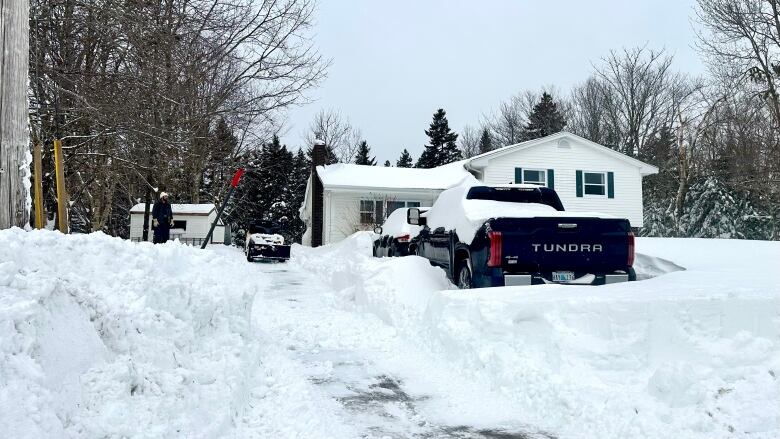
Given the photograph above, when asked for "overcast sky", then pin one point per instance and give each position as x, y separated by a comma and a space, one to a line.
396, 62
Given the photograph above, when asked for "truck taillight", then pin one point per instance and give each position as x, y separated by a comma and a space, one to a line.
630, 261
495, 248
403, 238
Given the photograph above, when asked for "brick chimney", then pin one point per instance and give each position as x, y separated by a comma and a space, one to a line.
319, 157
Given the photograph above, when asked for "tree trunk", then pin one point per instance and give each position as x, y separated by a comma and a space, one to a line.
14, 137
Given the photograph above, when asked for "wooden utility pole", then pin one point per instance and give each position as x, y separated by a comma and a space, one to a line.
14, 137
38, 185
62, 193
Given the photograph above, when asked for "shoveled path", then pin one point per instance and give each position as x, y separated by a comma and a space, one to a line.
386, 388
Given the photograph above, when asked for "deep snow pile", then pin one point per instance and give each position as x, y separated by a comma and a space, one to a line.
693, 353
101, 337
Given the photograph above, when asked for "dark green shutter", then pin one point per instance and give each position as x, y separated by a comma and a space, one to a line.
579, 183
518, 175
611, 184
551, 179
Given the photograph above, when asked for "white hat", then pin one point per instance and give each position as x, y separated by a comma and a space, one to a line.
163, 194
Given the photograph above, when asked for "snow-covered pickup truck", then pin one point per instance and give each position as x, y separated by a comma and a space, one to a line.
520, 235
265, 243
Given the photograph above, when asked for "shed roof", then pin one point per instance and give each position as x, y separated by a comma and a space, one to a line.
181, 209
350, 175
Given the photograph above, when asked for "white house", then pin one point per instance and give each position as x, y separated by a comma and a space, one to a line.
191, 223
588, 177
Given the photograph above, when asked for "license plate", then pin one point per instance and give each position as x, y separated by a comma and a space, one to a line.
562, 276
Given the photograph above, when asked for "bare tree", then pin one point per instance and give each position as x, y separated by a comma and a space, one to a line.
640, 93
507, 123
332, 127
742, 40
469, 141
135, 89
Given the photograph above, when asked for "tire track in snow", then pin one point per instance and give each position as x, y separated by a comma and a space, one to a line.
357, 360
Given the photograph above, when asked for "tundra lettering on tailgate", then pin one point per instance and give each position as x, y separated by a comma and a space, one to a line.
593, 248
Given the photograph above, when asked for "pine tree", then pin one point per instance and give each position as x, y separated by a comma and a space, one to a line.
362, 157
485, 142
544, 120
219, 165
405, 161
441, 148
387, 164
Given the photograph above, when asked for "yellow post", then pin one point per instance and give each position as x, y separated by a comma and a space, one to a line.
62, 197
37, 170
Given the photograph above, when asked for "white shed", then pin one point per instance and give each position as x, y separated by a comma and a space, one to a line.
191, 223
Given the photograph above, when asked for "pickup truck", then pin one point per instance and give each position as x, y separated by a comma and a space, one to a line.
486, 236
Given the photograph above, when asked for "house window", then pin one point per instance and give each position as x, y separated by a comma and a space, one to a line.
370, 210
595, 183
366, 211
393, 205
535, 176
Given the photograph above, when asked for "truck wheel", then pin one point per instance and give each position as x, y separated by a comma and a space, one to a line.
249, 256
464, 276
391, 251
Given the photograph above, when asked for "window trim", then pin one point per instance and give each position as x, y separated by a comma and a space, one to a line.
605, 185
542, 171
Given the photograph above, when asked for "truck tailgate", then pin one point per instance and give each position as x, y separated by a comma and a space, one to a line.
575, 244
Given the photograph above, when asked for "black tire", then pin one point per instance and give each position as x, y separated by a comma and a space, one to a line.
391, 251
465, 281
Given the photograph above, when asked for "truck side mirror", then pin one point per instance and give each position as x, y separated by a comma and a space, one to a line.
378, 230
413, 217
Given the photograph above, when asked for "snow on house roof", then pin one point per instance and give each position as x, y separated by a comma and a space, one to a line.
350, 175
181, 209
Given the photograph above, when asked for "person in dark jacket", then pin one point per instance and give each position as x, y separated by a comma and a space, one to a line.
162, 219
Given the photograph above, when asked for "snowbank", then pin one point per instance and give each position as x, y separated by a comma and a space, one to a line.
692, 353
101, 337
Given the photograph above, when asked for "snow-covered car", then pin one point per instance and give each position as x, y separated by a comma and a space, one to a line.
264, 242
489, 236
395, 234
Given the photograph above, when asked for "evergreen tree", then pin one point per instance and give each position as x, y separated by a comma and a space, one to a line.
219, 165
265, 190
387, 164
485, 142
544, 120
441, 148
405, 161
362, 157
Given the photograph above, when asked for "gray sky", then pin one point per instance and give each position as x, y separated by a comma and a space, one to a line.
396, 62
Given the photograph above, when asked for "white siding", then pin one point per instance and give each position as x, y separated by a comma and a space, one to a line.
197, 226
342, 209
565, 162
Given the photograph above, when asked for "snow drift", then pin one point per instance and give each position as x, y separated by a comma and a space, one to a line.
691, 353
101, 337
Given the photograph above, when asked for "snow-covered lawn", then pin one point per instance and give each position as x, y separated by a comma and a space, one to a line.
100, 337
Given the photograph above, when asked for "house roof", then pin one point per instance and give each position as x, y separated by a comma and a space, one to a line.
480, 161
343, 175
181, 209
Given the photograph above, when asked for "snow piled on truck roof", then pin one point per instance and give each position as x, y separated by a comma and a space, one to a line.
454, 212
390, 177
